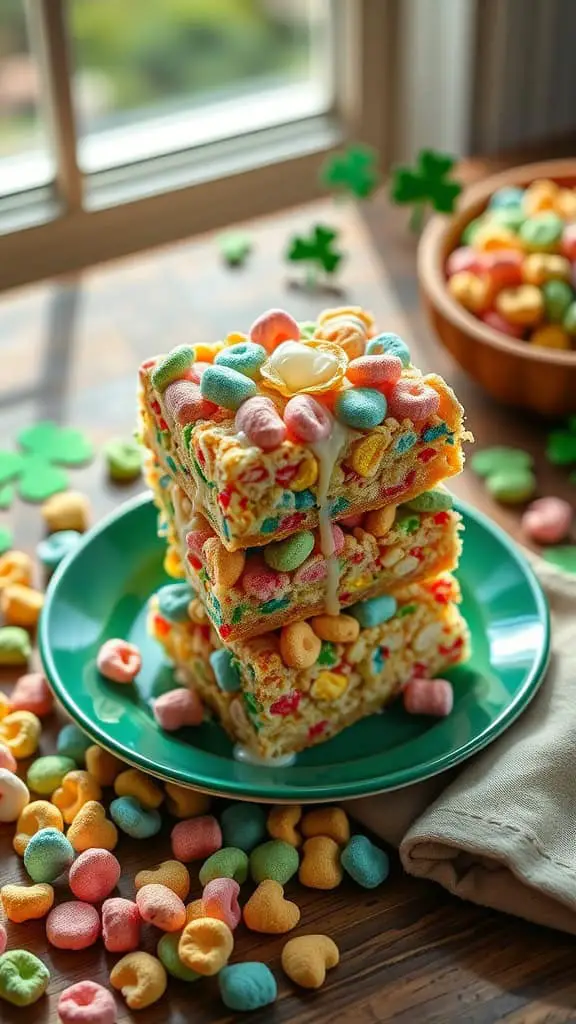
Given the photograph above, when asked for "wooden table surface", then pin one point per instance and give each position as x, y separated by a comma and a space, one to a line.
69, 350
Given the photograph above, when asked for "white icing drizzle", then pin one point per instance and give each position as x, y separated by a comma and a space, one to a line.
246, 756
327, 453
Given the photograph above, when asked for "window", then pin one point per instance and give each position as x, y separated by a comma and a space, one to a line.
126, 123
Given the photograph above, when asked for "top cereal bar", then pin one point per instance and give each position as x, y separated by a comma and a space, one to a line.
293, 425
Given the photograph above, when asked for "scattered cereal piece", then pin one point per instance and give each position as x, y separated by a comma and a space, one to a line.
45, 774
36, 815
56, 547
196, 838
273, 327
141, 979
133, 819
73, 925
299, 645
20, 732
7, 759
123, 459
434, 697
20, 605
170, 873
27, 902
194, 910
119, 661
47, 855
23, 977
338, 629
67, 511
366, 863
178, 708
327, 821
247, 986
226, 863
14, 796
92, 830
306, 959
160, 906
135, 783
86, 1002
320, 865
268, 912
104, 767
220, 900
260, 421
16, 567
15, 646
93, 875
167, 952
243, 826
548, 520
77, 788
74, 743
512, 487
32, 693
206, 945
275, 860
121, 923
183, 802
282, 821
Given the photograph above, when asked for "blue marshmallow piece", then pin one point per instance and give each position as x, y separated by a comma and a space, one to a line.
173, 601
374, 611
360, 408
391, 345
225, 670
246, 357
226, 387
367, 864
509, 196
247, 986
54, 549
133, 819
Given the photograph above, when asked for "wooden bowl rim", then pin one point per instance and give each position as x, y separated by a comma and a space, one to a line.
431, 262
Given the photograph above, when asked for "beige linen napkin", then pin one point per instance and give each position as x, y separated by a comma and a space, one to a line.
501, 830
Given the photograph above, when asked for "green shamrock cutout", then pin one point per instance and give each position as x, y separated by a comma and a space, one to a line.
235, 247
316, 249
11, 464
561, 448
64, 445
563, 556
40, 480
6, 539
426, 183
500, 459
353, 170
6, 496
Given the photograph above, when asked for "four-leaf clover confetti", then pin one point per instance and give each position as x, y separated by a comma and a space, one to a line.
353, 170
36, 469
426, 183
235, 247
317, 249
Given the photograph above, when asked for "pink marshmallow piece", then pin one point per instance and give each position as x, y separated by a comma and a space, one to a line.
121, 923
433, 697
273, 327
178, 708
86, 1002
374, 371
259, 419
119, 661
93, 875
7, 759
160, 906
262, 582
220, 900
548, 520
32, 693
73, 925
413, 400
307, 420
196, 838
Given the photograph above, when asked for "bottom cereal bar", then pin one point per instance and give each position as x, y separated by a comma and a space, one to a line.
274, 708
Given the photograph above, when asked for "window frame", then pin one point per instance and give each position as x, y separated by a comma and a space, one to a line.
84, 219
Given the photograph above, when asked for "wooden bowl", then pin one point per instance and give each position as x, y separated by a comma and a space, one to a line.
515, 372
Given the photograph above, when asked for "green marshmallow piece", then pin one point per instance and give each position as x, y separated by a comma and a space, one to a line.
46, 773
167, 952
288, 554
15, 647
123, 459
512, 486
511, 217
558, 296
173, 366
23, 977
276, 859
48, 854
542, 231
472, 229
307, 328
436, 500
563, 557
230, 862
569, 321
500, 459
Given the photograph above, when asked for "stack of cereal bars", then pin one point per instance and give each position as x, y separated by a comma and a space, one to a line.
298, 474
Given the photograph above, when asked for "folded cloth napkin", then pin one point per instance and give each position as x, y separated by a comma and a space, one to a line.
501, 830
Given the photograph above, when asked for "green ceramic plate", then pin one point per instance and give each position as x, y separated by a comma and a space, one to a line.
102, 590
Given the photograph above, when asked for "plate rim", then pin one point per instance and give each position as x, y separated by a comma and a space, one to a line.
262, 791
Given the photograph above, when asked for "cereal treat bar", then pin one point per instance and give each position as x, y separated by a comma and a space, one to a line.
248, 593
291, 688
291, 426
